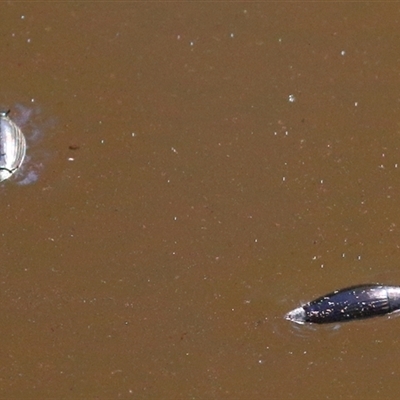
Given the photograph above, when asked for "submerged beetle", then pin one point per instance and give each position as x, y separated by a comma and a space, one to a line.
12, 146
355, 302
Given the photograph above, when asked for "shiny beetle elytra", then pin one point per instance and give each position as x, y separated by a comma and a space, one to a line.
355, 302
12, 146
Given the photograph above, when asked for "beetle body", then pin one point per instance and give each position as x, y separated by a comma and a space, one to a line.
12, 146
355, 302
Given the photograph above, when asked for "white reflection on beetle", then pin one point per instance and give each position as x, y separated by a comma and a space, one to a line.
29, 121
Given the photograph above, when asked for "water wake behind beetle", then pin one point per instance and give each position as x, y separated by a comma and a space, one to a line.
355, 302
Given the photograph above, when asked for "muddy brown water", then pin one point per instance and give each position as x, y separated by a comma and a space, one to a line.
203, 169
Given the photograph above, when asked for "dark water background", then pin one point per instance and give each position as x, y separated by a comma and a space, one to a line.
205, 167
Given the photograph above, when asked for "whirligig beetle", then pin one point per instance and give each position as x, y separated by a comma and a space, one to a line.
355, 302
12, 146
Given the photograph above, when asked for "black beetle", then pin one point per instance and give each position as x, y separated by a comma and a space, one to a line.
355, 302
